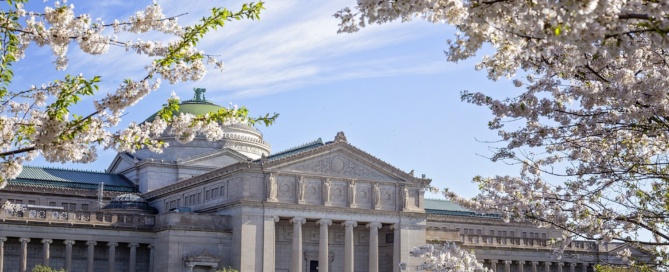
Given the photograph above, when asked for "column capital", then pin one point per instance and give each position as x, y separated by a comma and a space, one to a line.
493, 261
535, 263
508, 262
298, 220
68, 242
47, 241
131, 245
572, 264
24, 240
150, 246
521, 262
560, 263
548, 262
374, 225
324, 222
112, 244
350, 223
91, 243
3, 239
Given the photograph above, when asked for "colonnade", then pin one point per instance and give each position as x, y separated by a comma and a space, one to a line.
46, 254
349, 254
533, 266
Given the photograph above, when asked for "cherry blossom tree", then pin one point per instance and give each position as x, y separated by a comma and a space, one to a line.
39, 121
445, 258
590, 126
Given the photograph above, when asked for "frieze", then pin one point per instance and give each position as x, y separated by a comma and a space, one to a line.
246, 148
339, 165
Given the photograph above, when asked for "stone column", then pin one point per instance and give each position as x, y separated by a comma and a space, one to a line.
547, 266
348, 245
521, 266
396, 247
269, 243
2, 252
23, 265
534, 266
297, 243
572, 267
507, 266
374, 246
68, 254
46, 251
112, 256
91, 257
151, 260
133, 257
323, 251
493, 265
559, 266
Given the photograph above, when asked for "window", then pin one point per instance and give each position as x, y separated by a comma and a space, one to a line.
52, 203
214, 193
492, 233
31, 202
513, 234
84, 207
478, 231
199, 195
207, 195
543, 235
524, 234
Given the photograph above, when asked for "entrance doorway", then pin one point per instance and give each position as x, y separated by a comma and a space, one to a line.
313, 266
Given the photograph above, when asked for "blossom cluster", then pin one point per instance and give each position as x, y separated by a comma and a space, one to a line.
39, 122
590, 127
446, 257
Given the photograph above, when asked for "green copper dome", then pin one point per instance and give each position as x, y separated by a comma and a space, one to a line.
196, 106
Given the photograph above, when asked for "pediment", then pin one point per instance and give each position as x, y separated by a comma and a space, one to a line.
339, 164
121, 162
217, 159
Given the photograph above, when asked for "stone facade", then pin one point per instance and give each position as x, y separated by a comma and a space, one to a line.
329, 206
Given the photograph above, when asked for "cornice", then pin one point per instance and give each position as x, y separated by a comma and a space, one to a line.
368, 159
197, 180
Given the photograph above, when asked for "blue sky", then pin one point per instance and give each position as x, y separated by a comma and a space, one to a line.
389, 87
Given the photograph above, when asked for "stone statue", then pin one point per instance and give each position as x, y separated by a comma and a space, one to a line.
300, 188
271, 186
326, 191
405, 197
351, 192
377, 195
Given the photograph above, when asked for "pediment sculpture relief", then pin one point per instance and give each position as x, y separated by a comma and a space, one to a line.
339, 165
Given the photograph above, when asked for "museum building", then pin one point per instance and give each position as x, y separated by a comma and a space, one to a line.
204, 206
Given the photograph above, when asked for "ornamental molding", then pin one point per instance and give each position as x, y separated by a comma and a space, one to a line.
338, 165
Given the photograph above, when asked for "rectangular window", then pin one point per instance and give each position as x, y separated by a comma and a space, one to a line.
214, 193
84, 207
492, 233
73, 206
524, 234
65, 205
223, 193
207, 195
503, 233
18, 201
199, 196
52, 204
543, 235
31, 202
478, 231
513, 234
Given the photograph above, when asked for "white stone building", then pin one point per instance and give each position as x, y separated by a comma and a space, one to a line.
322, 206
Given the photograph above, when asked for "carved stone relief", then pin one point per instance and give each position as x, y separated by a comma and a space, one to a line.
341, 166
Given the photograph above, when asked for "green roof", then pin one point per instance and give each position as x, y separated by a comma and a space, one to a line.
192, 107
296, 150
76, 179
445, 207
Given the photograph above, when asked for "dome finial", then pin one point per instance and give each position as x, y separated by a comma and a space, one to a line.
199, 94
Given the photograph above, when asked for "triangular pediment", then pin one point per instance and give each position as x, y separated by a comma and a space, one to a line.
216, 159
121, 162
341, 162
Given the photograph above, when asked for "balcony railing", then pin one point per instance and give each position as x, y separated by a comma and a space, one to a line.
79, 217
506, 241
